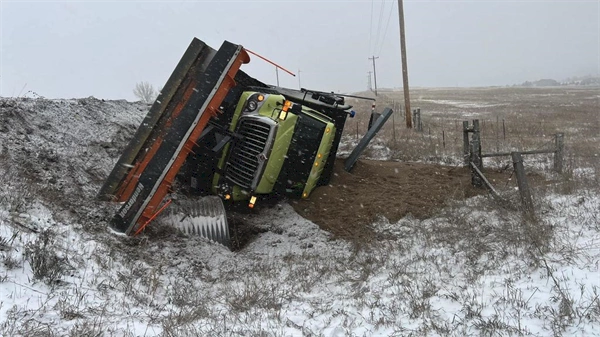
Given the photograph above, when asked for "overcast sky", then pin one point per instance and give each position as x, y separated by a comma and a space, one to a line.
65, 49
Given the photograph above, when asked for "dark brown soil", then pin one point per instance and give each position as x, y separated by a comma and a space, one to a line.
242, 232
352, 201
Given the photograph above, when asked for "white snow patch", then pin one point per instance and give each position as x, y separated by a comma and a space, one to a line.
462, 104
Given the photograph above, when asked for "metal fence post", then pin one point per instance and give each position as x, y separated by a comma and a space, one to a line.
444, 139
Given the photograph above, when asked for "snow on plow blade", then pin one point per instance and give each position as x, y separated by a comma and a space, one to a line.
191, 97
205, 217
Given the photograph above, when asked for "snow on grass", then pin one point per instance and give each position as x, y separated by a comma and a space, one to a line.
429, 277
474, 269
461, 104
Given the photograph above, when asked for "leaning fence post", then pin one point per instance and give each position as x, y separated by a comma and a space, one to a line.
526, 199
559, 152
466, 158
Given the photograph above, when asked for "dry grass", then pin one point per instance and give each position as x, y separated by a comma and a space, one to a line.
511, 119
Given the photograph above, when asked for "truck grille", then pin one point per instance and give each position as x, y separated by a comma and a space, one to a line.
244, 165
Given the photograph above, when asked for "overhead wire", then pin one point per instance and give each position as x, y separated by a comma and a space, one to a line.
371, 27
381, 8
387, 25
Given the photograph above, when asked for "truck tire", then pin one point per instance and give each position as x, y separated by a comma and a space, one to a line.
203, 217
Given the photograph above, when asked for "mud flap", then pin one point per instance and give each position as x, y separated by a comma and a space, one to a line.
204, 217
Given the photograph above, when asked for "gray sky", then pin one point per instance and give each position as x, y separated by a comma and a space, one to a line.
65, 49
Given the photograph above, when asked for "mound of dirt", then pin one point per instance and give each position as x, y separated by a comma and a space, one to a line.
59, 151
352, 202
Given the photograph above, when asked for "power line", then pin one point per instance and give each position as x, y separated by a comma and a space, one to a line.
381, 7
386, 28
371, 27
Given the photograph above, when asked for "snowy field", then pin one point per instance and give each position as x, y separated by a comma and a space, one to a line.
473, 269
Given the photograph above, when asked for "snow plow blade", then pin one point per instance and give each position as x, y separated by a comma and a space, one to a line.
197, 52
190, 99
205, 217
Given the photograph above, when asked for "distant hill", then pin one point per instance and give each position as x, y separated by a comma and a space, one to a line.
588, 80
583, 80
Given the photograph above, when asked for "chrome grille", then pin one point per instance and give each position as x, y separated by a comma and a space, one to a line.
244, 165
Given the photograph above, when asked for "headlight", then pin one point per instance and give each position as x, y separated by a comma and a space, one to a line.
251, 106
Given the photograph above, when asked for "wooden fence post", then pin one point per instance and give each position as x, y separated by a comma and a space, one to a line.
526, 199
466, 145
476, 138
394, 124
475, 160
417, 120
559, 152
497, 134
486, 182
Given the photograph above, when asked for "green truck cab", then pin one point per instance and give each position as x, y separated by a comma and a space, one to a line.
282, 147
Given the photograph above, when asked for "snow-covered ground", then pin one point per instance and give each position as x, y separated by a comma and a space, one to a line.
461, 104
473, 269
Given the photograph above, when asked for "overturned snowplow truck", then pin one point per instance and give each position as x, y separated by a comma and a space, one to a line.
223, 135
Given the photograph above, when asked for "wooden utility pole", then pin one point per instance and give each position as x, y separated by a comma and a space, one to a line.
404, 65
374, 72
299, 83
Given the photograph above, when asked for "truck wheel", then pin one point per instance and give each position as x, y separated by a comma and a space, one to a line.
204, 217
